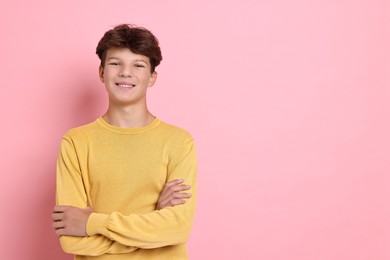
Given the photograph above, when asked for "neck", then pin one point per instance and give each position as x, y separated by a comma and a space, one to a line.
128, 117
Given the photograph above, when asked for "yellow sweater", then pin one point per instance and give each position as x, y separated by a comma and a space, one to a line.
120, 173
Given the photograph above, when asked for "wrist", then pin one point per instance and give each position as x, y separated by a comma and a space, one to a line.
97, 224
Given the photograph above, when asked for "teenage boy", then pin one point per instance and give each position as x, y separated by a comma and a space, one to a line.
120, 179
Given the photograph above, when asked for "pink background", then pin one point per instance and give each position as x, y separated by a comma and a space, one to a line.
288, 102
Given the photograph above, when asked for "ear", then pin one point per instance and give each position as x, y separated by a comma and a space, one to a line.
101, 73
152, 79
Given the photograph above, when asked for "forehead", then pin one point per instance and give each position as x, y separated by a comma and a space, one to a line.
125, 54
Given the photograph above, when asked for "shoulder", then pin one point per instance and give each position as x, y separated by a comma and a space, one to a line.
176, 139
179, 143
175, 132
80, 132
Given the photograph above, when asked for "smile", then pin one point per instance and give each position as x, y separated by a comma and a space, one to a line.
125, 85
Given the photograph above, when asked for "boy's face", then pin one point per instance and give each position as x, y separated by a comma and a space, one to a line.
126, 76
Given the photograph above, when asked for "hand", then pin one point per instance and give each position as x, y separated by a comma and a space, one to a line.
71, 221
171, 195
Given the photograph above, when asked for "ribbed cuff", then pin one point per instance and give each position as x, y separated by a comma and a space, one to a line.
97, 224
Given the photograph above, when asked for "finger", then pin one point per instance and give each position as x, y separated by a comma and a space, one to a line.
173, 190
167, 202
58, 224
176, 202
57, 216
169, 190
61, 208
164, 204
166, 192
181, 187
60, 232
180, 199
58, 209
181, 195
174, 182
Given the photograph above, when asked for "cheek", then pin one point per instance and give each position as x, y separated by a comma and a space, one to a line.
107, 75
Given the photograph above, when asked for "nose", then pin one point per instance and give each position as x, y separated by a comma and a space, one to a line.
125, 71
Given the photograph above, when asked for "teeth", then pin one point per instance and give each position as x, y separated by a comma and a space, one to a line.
125, 85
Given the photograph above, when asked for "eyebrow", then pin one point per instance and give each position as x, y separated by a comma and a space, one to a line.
115, 58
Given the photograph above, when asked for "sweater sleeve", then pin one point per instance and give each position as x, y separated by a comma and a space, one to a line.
70, 191
168, 226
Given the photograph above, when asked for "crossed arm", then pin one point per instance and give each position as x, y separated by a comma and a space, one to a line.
85, 232
72, 221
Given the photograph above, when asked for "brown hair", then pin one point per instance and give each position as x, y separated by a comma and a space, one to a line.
138, 39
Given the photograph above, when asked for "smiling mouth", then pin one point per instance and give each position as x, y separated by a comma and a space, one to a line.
125, 85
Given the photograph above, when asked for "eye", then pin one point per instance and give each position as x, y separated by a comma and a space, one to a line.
139, 66
113, 63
